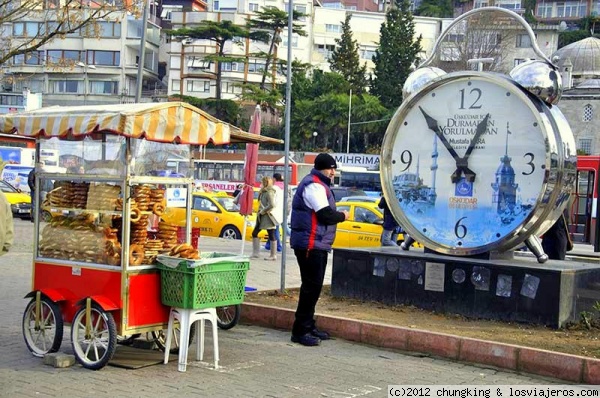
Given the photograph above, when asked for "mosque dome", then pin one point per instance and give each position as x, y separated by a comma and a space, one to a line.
584, 55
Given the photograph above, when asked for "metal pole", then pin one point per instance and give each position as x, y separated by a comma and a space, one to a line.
597, 234
349, 118
288, 112
142, 53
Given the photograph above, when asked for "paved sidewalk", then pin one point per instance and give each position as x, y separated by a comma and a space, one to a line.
256, 361
263, 275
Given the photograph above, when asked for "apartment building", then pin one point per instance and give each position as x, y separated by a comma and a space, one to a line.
549, 12
88, 66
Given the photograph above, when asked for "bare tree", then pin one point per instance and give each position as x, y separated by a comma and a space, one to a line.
487, 34
42, 21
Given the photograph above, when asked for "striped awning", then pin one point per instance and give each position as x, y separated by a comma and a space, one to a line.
173, 122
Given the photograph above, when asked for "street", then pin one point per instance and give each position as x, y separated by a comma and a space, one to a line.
256, 362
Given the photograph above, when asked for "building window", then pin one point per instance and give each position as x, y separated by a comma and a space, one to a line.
53, 26
27, 29
198, 63
571, 9
30, 58
35, 86
199, 86
64, 57
588, 113
544, 10
103, 87
330, 28
230, 88
65, 86
294, 40
519, 61
367, 53
256, 66
584, 145
523, 41
176, 85
253, 7
110, 58
216, 6
325, 49
232, 66
481, 3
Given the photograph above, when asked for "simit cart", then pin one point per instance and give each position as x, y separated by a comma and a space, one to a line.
98, 231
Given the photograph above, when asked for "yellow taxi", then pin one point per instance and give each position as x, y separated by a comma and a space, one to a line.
363, 228
216, 215
20, 203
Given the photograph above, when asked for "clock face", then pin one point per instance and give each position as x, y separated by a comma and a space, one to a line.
466, 160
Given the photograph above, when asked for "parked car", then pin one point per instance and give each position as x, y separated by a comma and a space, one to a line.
216, 215
341, 192
20, 203
363, 228
372, 199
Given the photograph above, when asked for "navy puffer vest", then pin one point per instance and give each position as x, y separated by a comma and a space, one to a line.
307, 232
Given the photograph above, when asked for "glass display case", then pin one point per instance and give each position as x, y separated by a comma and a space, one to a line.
84, 205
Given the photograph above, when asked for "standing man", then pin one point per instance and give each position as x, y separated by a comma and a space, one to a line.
314, 219
6, 225
31, 184
278, 210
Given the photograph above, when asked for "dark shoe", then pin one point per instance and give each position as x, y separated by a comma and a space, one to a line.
321, 334
308, 340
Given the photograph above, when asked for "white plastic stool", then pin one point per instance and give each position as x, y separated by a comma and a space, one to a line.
186, 318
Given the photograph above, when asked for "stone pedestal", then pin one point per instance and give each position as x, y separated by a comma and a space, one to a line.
519, 289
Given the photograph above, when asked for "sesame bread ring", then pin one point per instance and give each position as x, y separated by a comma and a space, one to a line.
136, 254
158, 209
135, 215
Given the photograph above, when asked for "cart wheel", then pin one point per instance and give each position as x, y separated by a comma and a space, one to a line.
231, 232
160, 338
228, 316
46, 216
94, 350
48, 335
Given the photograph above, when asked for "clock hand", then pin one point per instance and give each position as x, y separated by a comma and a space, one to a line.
481, 127
462, 164
433, 125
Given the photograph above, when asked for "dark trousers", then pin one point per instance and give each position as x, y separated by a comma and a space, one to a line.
312, 273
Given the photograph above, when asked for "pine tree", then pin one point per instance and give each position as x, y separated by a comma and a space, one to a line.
396, 53
436, 8
345, 59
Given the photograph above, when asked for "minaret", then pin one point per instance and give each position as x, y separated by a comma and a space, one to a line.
505, 188
432, 195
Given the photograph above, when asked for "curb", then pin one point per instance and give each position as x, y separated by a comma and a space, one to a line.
572, 368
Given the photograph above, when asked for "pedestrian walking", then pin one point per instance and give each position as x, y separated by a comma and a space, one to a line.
389, 235
556, 241
278, 211
7, 231
265, 219
314, 220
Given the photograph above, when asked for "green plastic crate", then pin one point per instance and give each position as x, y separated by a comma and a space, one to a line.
218, 283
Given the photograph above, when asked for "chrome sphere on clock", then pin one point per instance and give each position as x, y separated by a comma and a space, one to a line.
474, 163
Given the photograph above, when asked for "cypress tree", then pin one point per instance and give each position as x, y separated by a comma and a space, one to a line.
345, 59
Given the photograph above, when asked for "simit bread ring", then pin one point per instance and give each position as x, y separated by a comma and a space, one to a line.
136, 254
158, 209
135, 215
